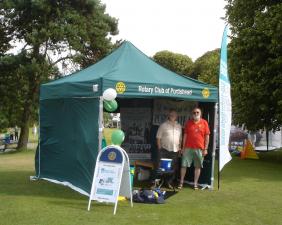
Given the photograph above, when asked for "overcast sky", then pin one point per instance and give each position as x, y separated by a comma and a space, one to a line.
181, 26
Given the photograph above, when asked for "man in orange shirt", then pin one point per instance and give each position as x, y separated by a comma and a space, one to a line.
195, 146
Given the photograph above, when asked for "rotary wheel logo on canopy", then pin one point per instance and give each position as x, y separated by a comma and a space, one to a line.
120, 87
112, 156
205, 92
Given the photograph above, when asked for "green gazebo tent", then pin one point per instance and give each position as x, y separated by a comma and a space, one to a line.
70, 109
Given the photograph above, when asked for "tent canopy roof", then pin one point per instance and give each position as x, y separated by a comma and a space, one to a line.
132, 74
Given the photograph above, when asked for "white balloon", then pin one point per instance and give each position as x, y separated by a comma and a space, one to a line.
109, 94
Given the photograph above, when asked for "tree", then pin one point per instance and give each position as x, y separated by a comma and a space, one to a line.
256, 62
206, 68
181, 64
51, 32
4, 40
10, 84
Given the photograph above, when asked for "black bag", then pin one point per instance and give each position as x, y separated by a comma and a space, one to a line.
155, 196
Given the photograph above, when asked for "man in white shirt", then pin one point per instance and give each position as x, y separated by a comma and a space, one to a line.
169, 137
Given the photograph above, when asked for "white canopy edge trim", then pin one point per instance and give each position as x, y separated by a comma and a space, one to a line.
68, 184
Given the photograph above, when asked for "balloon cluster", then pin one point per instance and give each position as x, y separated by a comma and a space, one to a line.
110, 104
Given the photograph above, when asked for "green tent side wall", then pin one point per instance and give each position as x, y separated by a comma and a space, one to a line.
68, 141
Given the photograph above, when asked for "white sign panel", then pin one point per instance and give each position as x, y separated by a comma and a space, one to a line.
107, 182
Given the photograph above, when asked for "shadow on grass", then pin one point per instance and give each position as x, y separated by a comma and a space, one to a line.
266, 168
17, 183
14, 150
271, 157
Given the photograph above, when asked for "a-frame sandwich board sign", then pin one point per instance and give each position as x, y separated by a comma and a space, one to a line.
111, 176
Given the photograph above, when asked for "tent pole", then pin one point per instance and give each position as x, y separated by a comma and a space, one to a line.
214, 143
101, 122
39, 140
218, 166
218, 176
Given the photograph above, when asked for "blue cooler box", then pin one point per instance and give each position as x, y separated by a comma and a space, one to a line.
166, 164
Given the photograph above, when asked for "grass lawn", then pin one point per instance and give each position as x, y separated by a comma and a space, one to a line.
251, 193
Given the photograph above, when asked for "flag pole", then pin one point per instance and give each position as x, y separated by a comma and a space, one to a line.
214, 142
218, 186
218, 166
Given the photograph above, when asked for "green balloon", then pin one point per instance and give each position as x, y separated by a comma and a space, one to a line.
117, 137
110, 106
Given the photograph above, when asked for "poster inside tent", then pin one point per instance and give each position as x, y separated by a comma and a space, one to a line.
136, 123
162, 107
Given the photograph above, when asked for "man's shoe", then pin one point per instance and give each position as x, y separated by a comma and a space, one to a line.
180, 186
170, 186
155, 183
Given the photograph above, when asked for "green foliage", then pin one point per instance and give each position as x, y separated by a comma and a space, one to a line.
18, 87
206, 68
51, 32
181, 64
256, 62
79, 27
12, 89
4, 40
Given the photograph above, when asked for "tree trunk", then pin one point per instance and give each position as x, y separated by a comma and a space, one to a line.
267, 140
24, 134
